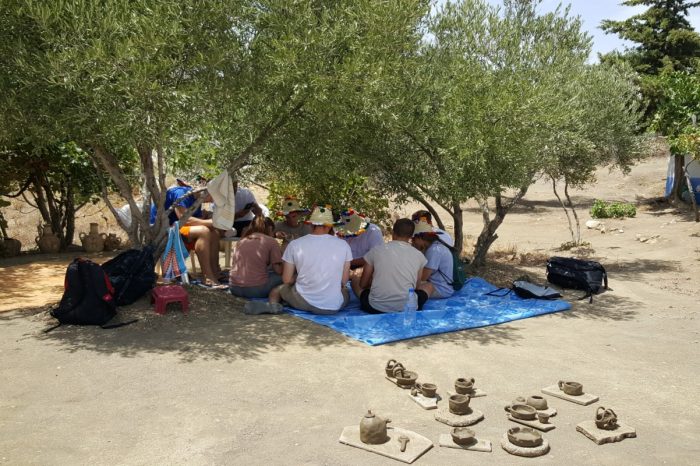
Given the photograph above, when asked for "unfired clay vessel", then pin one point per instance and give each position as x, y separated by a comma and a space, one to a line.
47, 240
428, 390
464, 386
405, 378
373, 429
403, 441
389, 368
571, 388
524, 437
463, 435
537, 402
543, 418
459, 404
522, 411
10, 247
112, 242
605, 418
93, 242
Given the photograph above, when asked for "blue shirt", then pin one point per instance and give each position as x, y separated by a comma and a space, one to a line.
171, 195
440, 262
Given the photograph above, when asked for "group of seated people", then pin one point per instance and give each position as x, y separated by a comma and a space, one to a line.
319, 255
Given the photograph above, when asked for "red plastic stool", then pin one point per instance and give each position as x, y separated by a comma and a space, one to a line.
163, 295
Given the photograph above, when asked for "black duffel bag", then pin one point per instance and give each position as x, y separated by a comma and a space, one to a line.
578, 274
132, 274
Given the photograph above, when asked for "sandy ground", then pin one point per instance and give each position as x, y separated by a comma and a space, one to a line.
217, 387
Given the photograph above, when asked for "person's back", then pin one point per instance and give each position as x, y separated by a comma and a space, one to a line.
252, 257
319, 262
440, 262
396, 266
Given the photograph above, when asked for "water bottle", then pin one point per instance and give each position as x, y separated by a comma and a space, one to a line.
410, 309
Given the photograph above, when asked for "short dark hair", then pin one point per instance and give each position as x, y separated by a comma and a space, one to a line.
418, 214
403, 228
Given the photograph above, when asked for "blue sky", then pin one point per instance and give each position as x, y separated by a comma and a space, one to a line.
592, 12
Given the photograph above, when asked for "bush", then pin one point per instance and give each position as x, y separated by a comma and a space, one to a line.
602, 209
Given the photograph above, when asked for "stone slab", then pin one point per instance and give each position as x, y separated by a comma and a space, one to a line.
601, 436
585, 399
425, 402
416, 446
477, 393
458, 420
529, 452
479, 445
393, 380
535, 424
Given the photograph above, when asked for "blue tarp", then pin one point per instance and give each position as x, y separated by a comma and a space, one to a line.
468, 308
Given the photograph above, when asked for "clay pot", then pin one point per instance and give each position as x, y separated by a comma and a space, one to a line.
112, 242
571, 388
521, 411
405, 378
459, 404
537, 402
605, 419
464, 386
428, 390
373, 429
389, 368
543, 418
47, 240
10, 247
524, 437
463, 436
93, 242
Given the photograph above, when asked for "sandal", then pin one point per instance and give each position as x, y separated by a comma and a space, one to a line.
212, 286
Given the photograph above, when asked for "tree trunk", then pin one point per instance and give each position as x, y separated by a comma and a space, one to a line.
678, 177
458, 217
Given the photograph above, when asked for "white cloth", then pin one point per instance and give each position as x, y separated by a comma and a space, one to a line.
319, 261
361, 244
221, 191
243, 198
445, 236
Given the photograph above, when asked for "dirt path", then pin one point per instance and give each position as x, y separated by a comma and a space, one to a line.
217, 387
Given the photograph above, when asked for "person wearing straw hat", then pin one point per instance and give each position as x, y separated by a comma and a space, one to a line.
360, 234
437, 274
391, 270
247, 208
424, 215
321, 263
292, 227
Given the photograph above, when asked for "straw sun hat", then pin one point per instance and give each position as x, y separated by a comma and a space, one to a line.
322, 216
422, 228
352, 224
291, 204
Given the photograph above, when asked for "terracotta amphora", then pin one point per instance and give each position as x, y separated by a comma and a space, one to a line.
605, 419
93, 242
373, 429
47, 240
112, 242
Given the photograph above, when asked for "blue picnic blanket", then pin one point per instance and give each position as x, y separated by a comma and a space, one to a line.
469, 307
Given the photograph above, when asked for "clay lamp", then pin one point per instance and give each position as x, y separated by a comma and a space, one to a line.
373, 429
463, 436
571, 388
524, 437
522, 411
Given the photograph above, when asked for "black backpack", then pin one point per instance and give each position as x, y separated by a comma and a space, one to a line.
578, 274
88, 297
459, 276
132, 274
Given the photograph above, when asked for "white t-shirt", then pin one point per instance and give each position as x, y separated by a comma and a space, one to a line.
243, 198
319, 261
361, 244
445, 236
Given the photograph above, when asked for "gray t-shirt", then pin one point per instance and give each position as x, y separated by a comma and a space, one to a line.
396, 267
440, 262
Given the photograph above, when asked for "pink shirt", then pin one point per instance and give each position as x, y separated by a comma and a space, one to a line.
252, 257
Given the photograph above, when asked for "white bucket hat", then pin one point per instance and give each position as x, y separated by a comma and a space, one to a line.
322, 216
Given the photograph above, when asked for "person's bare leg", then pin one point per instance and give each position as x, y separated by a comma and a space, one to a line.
355, 283
427, 287
202, 247
214, 252
274, 296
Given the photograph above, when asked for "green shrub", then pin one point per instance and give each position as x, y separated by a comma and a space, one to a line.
602, 209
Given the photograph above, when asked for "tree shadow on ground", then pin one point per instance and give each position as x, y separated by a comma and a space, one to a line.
635, 270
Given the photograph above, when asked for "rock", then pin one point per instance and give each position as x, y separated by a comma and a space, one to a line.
620, 230
592, 224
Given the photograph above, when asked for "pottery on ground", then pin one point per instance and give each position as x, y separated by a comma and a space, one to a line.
522, 411
543, 418
373, 429
537, 402
463, 436
571, 388
429, 390
93, 242
10, 247
112, 242
389, 368
524, 437
459, 404
403, 441
464, 386
47, 240
605, 419
405, 378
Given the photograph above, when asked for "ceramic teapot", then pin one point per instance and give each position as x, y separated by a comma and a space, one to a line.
47, 240
93, 242
112, 242
373, 429
605, 418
